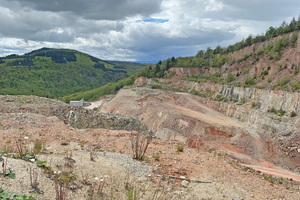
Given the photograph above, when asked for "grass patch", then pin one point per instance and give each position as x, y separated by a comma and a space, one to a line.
180, 148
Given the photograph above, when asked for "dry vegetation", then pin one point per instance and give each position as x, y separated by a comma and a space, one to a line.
106, 170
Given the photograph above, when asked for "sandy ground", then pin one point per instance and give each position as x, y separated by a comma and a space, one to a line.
214, 161
228, 178
95, 104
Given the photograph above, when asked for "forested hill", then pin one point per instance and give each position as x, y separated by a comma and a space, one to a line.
58, 72
270, 60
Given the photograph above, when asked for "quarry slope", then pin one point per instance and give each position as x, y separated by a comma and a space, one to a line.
30, 119
249, 133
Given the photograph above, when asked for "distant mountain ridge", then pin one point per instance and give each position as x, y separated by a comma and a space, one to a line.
58, 72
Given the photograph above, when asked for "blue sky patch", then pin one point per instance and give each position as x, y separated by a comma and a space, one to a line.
153, 20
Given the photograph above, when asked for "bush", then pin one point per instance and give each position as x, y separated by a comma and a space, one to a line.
283, 81
232, 61
230, 78
147, 159
293, 114
214, 77
296, 70
269, 80
156, 86
139, 145
38, 146
246, 56
180, 148
243, 101
156, 156
246, 71
273, 110
264, 73
250, 81
294, 39
295, 86
259, 50
281, 112
268, 49
253, 104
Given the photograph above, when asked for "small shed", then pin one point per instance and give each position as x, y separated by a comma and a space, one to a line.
77, 103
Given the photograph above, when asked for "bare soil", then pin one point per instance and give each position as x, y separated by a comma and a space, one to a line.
115, 166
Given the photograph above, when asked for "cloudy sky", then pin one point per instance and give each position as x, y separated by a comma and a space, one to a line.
136, 30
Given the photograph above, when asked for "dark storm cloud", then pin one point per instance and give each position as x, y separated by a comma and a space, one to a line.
96, 9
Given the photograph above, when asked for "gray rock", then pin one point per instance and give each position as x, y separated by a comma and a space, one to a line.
158, 171
237, 198
184, 183
81, 118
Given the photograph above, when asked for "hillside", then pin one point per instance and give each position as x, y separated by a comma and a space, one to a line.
271, 64
270, 61
58, 72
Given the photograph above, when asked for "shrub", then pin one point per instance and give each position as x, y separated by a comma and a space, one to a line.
156, 86
250, 81
296, 70
180, 148
264, 72
273, 110
219, 61
214, 77
243, 101
295, 86
219, 98
147, 159
232, 61
156, 156
246, 71
275, 55
253, 104
281, 112
259, 50
293, 114
268, 49
294, 39
246, 56
283, 81
230, 78
139, 145
269, 80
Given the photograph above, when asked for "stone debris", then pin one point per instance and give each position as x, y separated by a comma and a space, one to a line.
184, 183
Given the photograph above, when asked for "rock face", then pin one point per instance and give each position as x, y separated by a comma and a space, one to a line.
219, 114
253, 61
77, 117
82, 118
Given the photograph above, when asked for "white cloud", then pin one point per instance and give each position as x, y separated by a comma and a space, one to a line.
115, 30
214, 6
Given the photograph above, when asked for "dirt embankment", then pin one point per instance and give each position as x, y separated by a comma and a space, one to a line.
197, 121
155, 176
117, 169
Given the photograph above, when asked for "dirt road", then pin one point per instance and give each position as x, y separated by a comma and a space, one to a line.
96, 104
